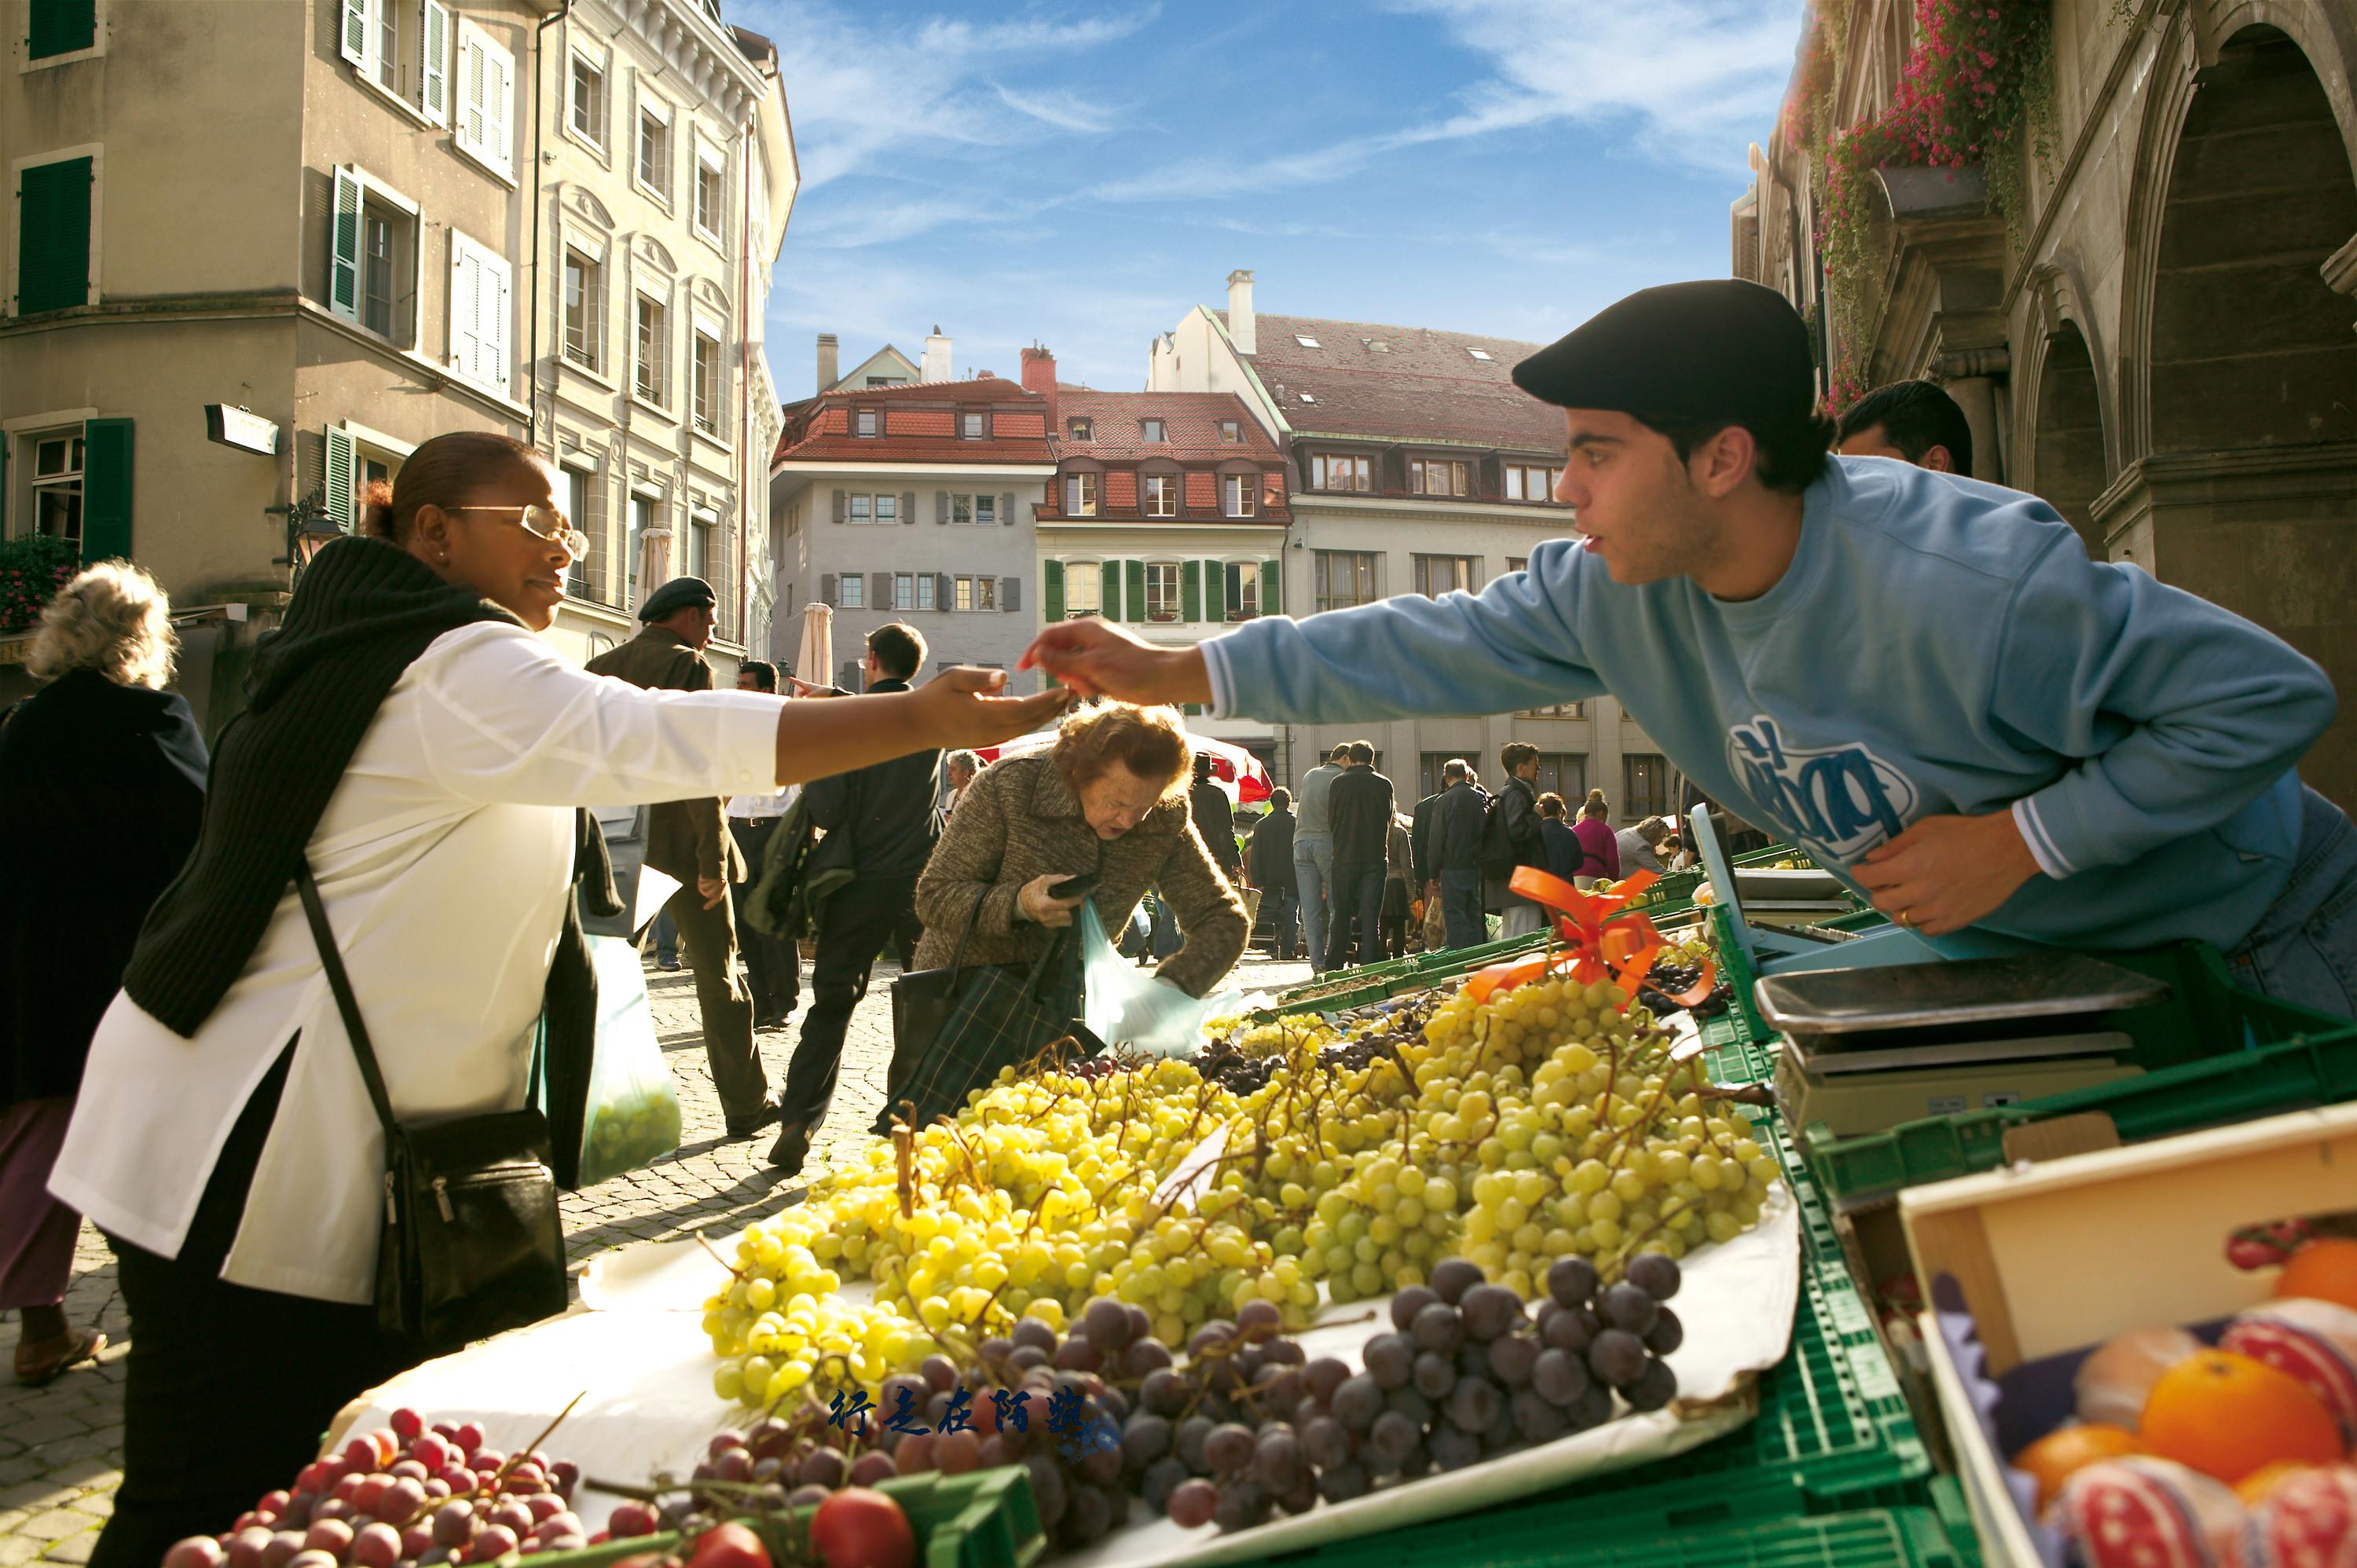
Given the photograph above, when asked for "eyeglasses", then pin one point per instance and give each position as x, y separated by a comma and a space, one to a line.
543, 522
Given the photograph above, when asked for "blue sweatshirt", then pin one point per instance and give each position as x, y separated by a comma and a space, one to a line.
1938, 646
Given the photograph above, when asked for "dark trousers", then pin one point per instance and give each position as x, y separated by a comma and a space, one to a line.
710, 938
1396, 902
1358, 894
1460, 908
773, 970
853, 926
1282, 906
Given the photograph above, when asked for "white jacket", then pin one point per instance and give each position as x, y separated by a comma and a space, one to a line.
444, 857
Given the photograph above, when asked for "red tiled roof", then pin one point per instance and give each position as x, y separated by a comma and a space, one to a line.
1422, 385
1190, 426
819, 429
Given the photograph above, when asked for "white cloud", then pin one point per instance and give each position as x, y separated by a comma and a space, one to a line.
1065, 110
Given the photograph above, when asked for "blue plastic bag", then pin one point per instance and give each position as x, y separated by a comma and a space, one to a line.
1128, 1008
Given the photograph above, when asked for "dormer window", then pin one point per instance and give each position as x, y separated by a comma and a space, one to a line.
1150, 430
1082, 429
973, 426
1230, 430
867, 422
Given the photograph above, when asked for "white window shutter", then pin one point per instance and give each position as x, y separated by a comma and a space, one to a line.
435, 74
470, 91
344, 247
491, 314
499, 106
341, 503
355, 32
466, 268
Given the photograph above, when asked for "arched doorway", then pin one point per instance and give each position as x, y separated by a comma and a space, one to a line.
2251, 480
2068, 465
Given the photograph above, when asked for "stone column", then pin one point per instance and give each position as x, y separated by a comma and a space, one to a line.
1970, 376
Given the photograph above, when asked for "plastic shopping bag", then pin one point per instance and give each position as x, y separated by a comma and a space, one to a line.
632, 1118
1128, 1008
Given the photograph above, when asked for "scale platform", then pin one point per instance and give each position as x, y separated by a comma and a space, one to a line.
1868, 1048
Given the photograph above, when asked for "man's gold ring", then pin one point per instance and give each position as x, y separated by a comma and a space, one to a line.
1905, 921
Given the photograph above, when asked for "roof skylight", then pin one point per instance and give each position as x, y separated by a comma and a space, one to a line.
1306, 340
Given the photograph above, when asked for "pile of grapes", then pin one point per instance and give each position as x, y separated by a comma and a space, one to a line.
403, 1497
1668, 979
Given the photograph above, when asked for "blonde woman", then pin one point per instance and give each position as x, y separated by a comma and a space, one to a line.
104, 776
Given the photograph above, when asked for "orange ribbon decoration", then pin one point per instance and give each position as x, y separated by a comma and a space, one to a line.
1601, 940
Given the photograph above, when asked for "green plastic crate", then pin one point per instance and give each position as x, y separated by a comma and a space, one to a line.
2214, 1054
1533, 1536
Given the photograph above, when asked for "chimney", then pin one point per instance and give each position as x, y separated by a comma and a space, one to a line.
828, 374
936, 365
1040, 376
1240, 312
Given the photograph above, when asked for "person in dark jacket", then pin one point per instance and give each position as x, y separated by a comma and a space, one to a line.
1514, 840
1271, 869
100, 768
1215, 820
1562, 847
1360, 811
881, 823
688, 841
1454, 853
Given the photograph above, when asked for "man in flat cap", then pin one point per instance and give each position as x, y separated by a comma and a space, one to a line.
687, 840
1921, 678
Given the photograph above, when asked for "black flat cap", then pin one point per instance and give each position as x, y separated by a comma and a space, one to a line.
1719, 347
679, 593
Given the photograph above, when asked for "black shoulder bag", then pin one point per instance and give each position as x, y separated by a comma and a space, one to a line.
472, 1242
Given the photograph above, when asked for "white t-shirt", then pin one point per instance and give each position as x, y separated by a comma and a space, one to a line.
443, 860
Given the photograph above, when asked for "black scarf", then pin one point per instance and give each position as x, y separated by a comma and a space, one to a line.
362, 613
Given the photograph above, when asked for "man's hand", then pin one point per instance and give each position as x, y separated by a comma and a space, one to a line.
713, 889
958, 709
1945, 872
1042, 910
1097, 659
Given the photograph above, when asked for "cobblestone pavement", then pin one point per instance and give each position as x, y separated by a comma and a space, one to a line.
60, 1447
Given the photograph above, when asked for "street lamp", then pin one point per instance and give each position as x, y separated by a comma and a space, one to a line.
308, 527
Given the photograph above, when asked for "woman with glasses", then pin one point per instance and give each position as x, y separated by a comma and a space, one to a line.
411, 739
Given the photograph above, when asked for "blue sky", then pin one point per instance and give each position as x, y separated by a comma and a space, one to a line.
1084, 174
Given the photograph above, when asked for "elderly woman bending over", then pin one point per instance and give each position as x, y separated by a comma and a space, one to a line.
1108, 803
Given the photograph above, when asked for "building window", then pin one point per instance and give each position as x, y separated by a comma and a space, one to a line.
388, 48
574, 488
1304, 340
1333, 471
643, 522
1565, 773
588, 103
851, 591
1558, 711
1436, 476
55, 474
1478, 353
1162, 495
654, 375
700, 526
1438, 575
485, 90
1344, 577
654, 153
54, 204
711, 188
1244, 589
974, 593
372, 260
973, 426
928, 586
1150, 430
585, 310
961, 508
1236, 494
1644, 784
873, 509
1162, 601
867, 422
1525, 483
1079, 495
904, 590
1082, 429
61, 28
1231, 431
708, 411
1083, 589
862, 508
985, 511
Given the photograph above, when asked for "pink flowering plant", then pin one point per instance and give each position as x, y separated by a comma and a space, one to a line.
32, 569
1975, 90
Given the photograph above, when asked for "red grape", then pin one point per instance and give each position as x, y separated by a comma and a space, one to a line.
196, 1552
632, 1519
870, 1469
407, 1423
246, 1547
468, 1438
542, 1505
433, 1452
454, 1523
416, 1540
332, 1536
282, 1549
378, 1546
491, 1542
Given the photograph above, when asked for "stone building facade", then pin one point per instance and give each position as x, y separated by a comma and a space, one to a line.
2163, 347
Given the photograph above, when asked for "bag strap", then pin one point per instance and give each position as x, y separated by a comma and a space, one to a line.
957, 959
346, 1003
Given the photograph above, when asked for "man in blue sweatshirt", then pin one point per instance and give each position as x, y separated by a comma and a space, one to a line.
1919, 678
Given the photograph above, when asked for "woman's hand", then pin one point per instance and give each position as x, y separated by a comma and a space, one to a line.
1097, 659
961, 708
1041, 908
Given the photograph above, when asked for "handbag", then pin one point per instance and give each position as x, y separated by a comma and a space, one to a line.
955, 1028
472, 1243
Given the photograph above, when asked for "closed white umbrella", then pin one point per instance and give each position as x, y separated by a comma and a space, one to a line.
814, 659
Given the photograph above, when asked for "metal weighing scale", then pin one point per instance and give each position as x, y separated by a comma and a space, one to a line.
1867, 1049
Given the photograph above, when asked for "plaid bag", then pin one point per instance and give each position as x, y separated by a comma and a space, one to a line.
953, 1030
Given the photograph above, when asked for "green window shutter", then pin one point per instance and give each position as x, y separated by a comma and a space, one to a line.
63, 26
342, 505
106, 490
1272, 588
1052, 590
1134, 596
1108, 591
344, 249
1191, 591
53, 235
1215, 591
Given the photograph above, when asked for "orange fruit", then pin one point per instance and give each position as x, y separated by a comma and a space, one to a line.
2254, 1487
2324, 1269
2227, 1415
2062, 1453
